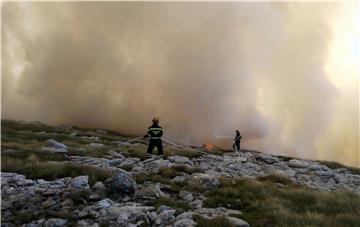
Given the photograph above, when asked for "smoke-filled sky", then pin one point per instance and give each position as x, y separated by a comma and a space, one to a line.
284, 74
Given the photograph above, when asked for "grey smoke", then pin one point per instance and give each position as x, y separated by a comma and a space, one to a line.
203, 68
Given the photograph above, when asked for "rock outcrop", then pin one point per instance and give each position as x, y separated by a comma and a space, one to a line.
121, 183
168, 191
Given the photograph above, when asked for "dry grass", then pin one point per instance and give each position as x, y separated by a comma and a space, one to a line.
165, 176
35, 166
220, 221
177, 205
263, 202
18, 135
32, 155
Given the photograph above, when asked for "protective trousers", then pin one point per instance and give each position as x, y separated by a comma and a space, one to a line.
236, 145
155, 143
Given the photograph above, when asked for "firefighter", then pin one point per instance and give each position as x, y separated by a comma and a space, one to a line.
154, 132
236, 144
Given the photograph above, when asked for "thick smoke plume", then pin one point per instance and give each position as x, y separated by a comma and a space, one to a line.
205, 69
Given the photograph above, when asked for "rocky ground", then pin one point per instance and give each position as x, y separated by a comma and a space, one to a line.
174, 190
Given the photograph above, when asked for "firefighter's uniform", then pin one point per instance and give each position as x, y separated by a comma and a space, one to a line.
236, 144
155, 132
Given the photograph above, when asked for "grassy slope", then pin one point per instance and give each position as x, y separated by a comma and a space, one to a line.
272, 200
267, 201
275, 200
36, 165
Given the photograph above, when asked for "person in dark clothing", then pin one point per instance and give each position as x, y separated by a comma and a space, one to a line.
154, 132
236, 144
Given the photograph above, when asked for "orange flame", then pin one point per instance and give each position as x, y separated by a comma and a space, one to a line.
208, 146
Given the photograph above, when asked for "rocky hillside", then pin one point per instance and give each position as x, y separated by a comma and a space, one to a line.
68, 176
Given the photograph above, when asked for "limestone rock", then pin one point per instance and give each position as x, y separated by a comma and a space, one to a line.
129, 213
54, 146
87, 223
55, 222
153, 165
99, 189
105, 203
297, 163
186, 196
152, 216
179, 179
179, 159
184, 220
237, 222
80, 182
214, 212
267, 158
166, 215
149, 192
37, 223
185, 223
206, 181
116, 154
122, 182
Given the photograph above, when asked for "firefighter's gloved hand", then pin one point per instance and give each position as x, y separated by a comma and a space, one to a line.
145, 136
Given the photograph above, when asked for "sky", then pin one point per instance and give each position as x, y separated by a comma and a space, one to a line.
285, 74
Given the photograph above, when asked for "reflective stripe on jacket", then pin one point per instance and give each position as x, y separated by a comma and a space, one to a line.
155, 132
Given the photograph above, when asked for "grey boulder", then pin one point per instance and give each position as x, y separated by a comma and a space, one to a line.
122, 182
237, 222
206, 181
54, 146
55, 222
80, 182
